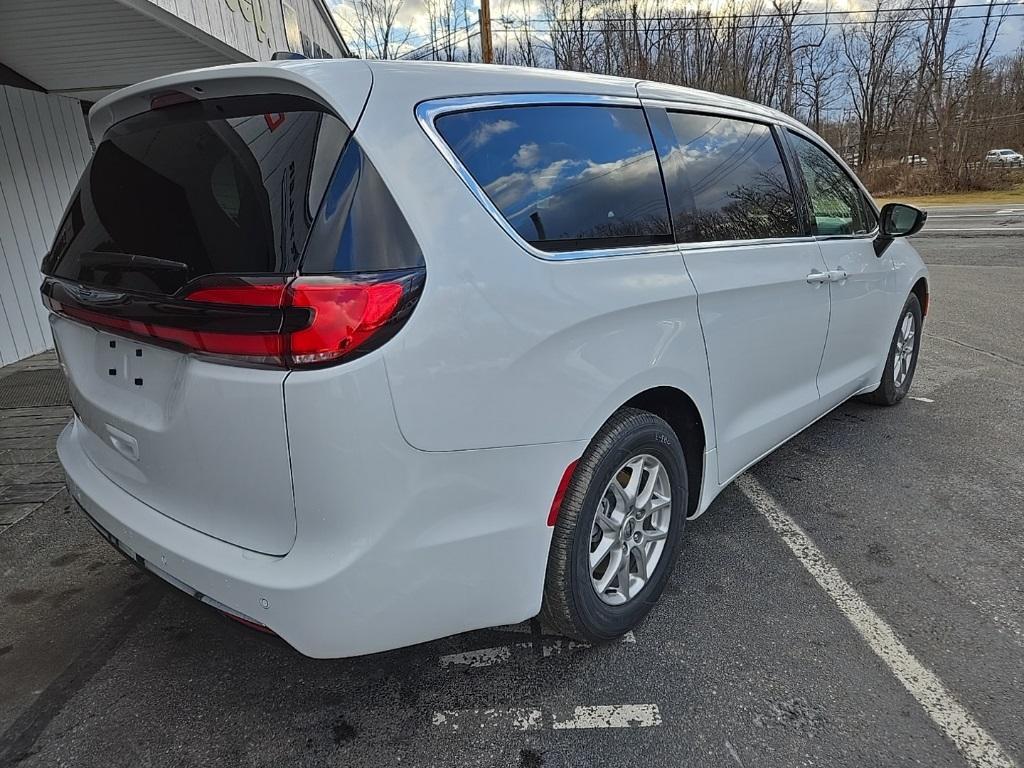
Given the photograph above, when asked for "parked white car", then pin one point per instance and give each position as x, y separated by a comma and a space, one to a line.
1004, 158
915, 161
368, 368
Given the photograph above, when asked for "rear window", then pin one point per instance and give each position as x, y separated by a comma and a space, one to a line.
218, 186
565, 177
739, 186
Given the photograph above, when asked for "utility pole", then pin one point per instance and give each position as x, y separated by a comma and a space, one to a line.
486, 44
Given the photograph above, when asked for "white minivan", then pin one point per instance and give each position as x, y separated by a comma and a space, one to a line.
371, 353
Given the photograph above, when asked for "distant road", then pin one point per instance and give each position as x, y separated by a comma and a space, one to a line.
982, 219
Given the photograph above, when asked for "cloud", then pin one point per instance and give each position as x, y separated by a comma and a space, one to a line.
527, 156
519, 186
488, 130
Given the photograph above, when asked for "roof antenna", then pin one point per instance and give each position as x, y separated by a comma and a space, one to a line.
286, 56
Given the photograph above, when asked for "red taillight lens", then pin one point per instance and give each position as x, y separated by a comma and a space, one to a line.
344, 316
341, 315
276, 321
262, 347
245, 294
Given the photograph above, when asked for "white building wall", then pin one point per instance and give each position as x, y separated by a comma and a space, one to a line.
44, 144
255, 27
44, 147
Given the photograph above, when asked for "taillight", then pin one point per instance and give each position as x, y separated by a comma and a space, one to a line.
290, 323
324, 318
344, 316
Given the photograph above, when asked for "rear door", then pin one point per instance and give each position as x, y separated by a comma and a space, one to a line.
174, 198
762, 296
864, 307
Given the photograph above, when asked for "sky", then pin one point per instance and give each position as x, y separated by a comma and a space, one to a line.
413, 18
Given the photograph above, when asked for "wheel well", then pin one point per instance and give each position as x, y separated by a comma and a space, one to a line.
676, 407
920, 290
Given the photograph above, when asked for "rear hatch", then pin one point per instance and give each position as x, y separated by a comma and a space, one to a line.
170, 285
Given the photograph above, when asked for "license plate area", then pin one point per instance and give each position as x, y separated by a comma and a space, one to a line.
146, 377
123, 362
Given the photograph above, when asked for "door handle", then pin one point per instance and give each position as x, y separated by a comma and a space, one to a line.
836, 275
817, 277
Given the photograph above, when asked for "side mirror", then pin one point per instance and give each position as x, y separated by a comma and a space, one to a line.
897, 220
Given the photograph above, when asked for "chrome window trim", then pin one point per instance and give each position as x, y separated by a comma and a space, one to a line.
428, 111
711, 244
713, 109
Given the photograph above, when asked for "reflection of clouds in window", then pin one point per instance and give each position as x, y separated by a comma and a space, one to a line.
513, 188
566, 173
735, 173
611, 191
488, 130
527, 156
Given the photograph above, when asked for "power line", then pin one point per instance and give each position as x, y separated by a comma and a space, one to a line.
770, 15
687, 25
449, 38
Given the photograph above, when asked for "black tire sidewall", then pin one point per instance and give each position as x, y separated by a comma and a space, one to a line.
601, 620
893, 394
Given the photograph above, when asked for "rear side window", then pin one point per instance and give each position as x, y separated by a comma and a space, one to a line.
360, 227
837, 205
566, 177
734, 172
218, 186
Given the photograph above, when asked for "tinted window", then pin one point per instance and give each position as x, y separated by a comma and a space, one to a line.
360, 227
837, 205
565, 177
219, 186
734, 172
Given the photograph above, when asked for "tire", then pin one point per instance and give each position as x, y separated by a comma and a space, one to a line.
572, 605
890, 391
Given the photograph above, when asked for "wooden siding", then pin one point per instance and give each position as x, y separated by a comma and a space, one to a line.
44, 148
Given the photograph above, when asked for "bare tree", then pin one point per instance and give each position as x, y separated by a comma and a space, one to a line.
375, 28
875, 52
818, 75
893, 80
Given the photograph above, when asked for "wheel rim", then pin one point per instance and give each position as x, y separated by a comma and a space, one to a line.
630, 529
905, 341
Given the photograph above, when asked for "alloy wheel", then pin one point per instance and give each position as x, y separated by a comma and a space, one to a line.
905, 341
630, 529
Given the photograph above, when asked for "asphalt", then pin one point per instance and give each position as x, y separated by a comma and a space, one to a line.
974, 220
746, 662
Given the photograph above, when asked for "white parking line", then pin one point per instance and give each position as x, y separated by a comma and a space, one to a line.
482, 657
611, 716
516, 719
969, 215
978, 748
525, 719
523, 628
922, 399
500, 654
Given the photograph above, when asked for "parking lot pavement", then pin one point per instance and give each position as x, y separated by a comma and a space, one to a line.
756, 656
980, 220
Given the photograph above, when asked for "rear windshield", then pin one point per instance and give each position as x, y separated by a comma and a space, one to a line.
219, 186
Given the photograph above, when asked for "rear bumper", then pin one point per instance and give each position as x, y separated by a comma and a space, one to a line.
459, 541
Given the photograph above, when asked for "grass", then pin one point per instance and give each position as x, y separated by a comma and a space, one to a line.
1014, 196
